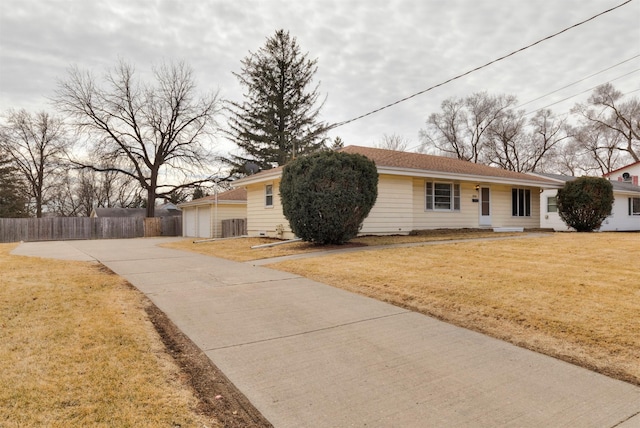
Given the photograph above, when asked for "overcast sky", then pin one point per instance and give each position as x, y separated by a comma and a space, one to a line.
370, 52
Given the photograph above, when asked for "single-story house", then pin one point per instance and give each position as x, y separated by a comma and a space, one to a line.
416, 192
202, 218
625, 214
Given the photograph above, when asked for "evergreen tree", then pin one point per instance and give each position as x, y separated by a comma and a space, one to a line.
326, 196
584, 203
278, 120
13, 191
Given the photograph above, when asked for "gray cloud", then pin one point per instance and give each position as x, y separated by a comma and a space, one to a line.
370, 52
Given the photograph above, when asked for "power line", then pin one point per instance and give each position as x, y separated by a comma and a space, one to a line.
580, 93
577, 81
409, 149
335, 125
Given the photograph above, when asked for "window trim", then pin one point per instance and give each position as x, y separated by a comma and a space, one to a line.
631, 206
268, 195
454, 196
520, 202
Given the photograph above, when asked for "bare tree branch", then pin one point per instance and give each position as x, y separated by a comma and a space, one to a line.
151, 129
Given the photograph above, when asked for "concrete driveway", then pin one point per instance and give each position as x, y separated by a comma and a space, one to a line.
309, 355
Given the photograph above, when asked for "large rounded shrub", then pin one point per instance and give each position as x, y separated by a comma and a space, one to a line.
584, 203
326, 196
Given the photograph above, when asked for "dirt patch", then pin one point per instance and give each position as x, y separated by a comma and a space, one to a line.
218, 398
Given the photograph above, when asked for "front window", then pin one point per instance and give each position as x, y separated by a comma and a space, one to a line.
552, 204
268, 195
634, 206
521, 202
442, 196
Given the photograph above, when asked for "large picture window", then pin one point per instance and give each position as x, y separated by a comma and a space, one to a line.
634, 206
521, 202
442, 196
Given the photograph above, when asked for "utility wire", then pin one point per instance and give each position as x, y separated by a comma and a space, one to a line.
335, 125
420, 145
577, 81
580, 93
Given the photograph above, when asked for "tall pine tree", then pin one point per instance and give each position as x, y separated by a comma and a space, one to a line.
278, 120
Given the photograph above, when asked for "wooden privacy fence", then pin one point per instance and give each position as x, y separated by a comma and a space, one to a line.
234, 227
67, 228
163, 226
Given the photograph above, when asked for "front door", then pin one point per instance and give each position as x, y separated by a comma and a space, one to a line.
485, 206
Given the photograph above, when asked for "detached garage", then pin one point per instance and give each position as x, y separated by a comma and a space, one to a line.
202, 218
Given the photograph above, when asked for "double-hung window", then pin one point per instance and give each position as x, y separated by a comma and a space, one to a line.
521, 202
634, 206
552, 204
268, 195
442, 196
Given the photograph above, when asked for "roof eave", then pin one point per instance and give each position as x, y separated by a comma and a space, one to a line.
253, 179
420, 173
211, 202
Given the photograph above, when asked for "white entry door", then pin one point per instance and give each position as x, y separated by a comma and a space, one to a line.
485, 206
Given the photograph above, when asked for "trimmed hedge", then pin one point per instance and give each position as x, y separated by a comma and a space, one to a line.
326, 196
584, 203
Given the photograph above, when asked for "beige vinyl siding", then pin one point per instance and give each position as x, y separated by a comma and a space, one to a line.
469, 214
263, 220
501, 214
199, 221
393, 210
225, 212
432, 219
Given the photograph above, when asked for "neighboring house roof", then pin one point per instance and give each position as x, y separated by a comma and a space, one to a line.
132, 212
167, 206
119, 212
618, 186
620, 169
421, 165
233, 196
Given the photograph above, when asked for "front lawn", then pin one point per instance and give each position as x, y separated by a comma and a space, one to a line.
573, 296
77, 349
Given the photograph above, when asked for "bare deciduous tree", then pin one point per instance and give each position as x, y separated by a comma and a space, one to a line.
38, 145
547, 134
505, 140
157, 134
601, 147
606, 110
80, 191
460, 129
393, 142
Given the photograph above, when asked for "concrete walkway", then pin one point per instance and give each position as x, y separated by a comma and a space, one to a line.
309, 355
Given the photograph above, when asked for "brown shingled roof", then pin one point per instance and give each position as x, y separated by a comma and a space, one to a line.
239, 194
391, 159
419, 161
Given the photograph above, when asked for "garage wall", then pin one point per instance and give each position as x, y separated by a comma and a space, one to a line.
200, 221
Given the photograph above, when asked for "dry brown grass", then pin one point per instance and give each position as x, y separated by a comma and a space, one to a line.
78, 350
240, 249
573, 296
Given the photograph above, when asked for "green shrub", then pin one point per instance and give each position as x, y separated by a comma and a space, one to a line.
584, 203
326, 196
